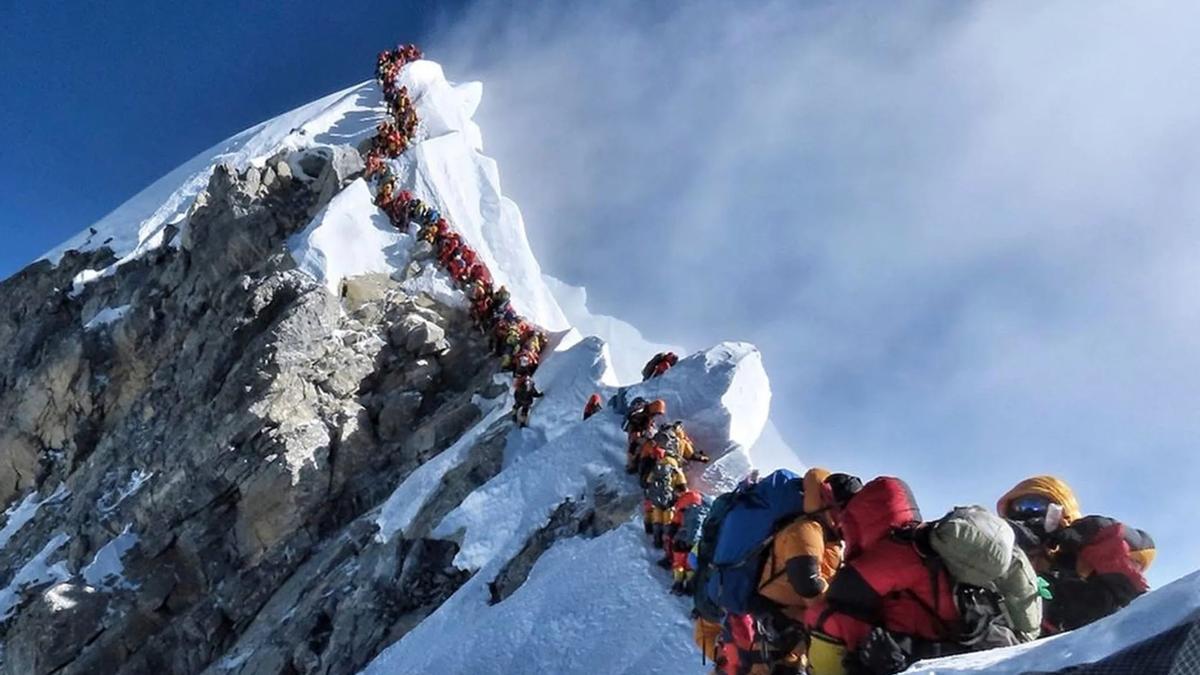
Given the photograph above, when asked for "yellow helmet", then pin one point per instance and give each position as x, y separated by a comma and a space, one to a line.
1054, 489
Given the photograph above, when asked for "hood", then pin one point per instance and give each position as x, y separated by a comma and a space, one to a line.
883, 505
812, 489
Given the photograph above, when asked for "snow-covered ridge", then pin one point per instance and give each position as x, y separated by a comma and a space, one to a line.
139, 224
580, 589
446, 168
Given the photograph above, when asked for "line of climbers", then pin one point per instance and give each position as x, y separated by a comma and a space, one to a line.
824, 575
516, 341
828, 576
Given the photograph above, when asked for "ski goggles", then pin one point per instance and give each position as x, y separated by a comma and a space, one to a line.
1026, 507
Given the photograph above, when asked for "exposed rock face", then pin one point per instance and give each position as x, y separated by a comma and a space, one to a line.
235, 424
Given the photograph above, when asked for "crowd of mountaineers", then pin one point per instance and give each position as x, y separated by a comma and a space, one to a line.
827, 575
517, 342
822, 573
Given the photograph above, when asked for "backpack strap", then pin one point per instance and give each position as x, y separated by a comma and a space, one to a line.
934, 566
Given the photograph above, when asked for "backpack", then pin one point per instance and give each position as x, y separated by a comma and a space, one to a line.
745, 534
668, 441
661, 490
651, 367
648, 369
996, 582
702, 604
693, 522
636, 407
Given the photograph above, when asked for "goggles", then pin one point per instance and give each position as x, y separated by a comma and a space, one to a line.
1028, 506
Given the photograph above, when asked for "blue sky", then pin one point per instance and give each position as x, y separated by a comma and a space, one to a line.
964, 236
101, 99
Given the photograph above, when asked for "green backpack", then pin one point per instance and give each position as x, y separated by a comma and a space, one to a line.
979, 549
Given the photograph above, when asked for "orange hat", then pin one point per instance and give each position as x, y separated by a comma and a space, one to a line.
1054, 489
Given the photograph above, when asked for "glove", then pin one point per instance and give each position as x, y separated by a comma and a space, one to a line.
883, 653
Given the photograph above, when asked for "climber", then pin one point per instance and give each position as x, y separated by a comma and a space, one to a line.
459, 266
884, 582
524, 394
805, 553
653, 448
429, 232
1092, 566
665, 484
374, 163
481, 303
384, 193
525, 364
500, 299
678, 441
512, 340
534, 339
397, 210
448, 247
913, 590
690, 509
742, 649
742, 523
639, 421
457, 269
499, 330
645, 479
594, 405
390, 140
658, 365
479, 274
707, 636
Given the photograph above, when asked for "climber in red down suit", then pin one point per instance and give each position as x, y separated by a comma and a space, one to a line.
885, 581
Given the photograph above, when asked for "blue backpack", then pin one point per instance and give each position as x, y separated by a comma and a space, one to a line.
693, 520
745, 533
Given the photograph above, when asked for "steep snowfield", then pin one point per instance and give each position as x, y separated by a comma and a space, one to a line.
1172, 605
597, 606
349, 237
